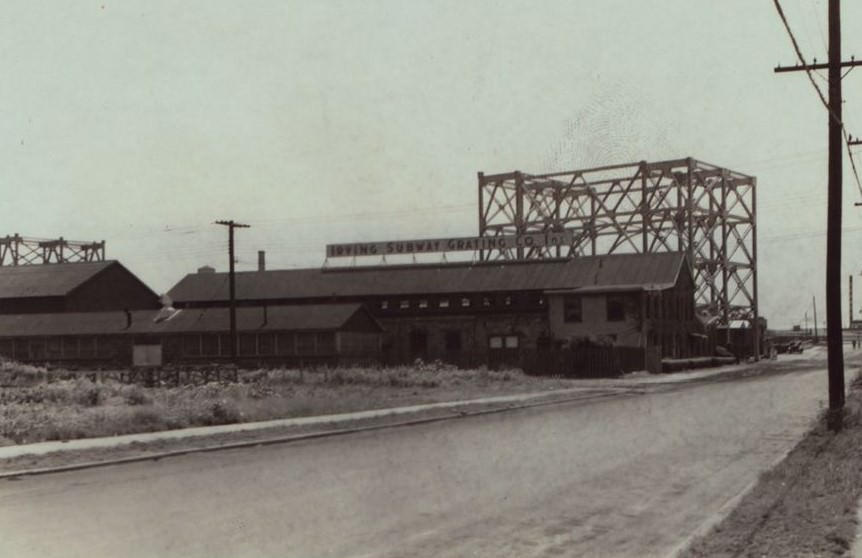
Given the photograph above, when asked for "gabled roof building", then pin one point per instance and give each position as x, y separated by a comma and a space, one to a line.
482, 313
72, 287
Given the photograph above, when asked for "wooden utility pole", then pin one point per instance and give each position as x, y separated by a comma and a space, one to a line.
834, 334
231, 225
814, 303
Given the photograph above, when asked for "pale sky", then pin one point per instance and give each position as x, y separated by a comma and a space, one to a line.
315, 122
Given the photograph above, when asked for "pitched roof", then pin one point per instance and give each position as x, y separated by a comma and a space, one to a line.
641, 270
45, 280
278, 318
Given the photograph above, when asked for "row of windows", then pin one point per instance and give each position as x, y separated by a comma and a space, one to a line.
58, 347
260, 344
670, 306
452, 341
573, 308
484, 301
503, 342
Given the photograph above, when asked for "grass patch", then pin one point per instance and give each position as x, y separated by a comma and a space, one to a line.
806, 505
37, 404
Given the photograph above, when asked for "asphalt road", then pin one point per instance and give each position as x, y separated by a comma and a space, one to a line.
634, 475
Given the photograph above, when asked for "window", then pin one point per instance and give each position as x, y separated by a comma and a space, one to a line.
247, 344
465, 302
444, 303
266, 343
70, 347
326, 343
384, 305
224, 344
404, 304
55, 347
305, 343
495, 342
486, 301
209, 344
285, 344
423, 303
192, 345
507, 300
511, 342
573, 309
616, 308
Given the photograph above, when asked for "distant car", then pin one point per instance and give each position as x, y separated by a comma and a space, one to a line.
794, 347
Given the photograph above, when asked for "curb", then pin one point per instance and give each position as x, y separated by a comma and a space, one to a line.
12, 475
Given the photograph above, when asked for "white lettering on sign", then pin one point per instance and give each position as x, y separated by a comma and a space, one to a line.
458, 244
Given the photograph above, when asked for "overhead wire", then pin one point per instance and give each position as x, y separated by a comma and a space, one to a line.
820, 94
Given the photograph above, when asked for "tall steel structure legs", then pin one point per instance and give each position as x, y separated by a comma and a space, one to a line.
17, 250
682, 205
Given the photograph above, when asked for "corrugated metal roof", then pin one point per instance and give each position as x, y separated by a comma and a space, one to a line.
42, 280
278, 318
593, 271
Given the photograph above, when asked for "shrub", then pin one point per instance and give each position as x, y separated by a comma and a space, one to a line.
135, 395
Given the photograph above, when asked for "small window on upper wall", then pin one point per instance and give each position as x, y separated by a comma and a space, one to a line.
423, 303
465, 302
384, 305
486, 301
443, 303
511, 342
404, 304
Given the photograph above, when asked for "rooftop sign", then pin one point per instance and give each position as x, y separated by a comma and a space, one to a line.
457, 244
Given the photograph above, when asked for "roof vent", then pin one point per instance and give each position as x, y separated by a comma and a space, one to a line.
206, 269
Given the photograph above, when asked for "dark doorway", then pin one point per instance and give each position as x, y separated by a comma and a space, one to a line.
418, 344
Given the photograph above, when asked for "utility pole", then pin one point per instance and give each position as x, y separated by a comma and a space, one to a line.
231, 225
814, 302
834, 335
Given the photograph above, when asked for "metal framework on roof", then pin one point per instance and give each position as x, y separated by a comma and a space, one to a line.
18, 250
682, 205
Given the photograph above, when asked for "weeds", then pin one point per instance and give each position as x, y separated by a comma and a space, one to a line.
37, 404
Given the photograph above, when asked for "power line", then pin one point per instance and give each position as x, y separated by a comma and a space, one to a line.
803, 65
837, 133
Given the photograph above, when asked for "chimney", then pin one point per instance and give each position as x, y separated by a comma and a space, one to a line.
261, 260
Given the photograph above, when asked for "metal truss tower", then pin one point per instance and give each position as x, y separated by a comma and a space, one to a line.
681, 205
17, 250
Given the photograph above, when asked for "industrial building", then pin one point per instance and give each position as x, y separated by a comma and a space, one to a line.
489, 312
333, 334
97, 313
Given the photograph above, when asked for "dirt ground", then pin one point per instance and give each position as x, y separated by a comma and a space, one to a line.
806, 505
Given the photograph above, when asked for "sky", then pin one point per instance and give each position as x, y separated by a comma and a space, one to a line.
320, 121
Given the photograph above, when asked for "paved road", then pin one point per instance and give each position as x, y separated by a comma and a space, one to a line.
629, 476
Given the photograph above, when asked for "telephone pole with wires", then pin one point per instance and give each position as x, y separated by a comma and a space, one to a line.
231, 225
837, 138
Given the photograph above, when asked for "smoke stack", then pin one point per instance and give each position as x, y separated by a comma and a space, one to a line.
261, 260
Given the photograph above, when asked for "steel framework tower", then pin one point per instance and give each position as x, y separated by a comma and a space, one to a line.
17, 250
681, 205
